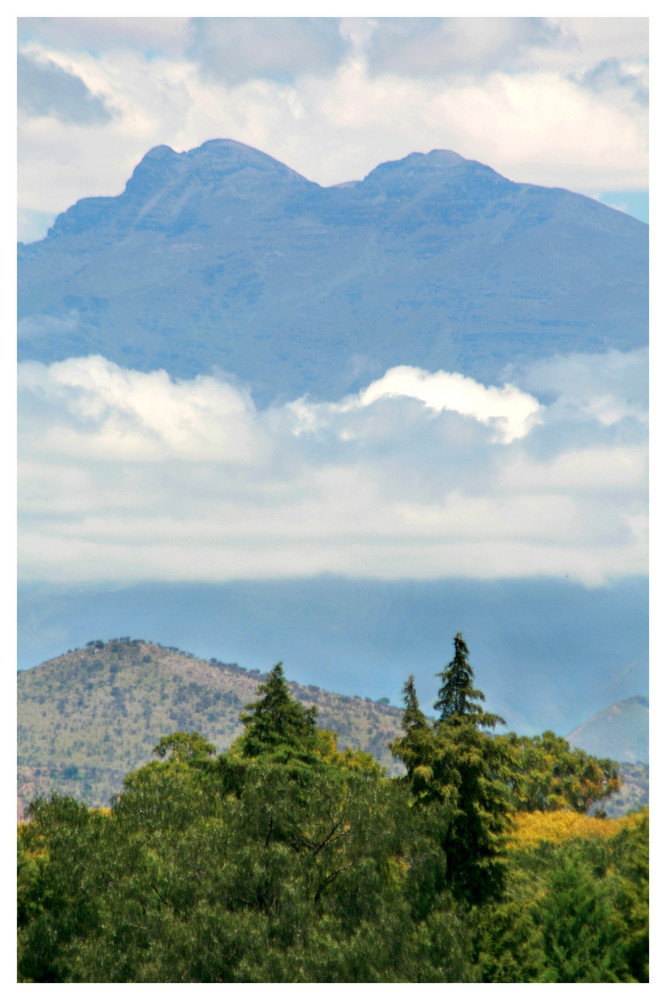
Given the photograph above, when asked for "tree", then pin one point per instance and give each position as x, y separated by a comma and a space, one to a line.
454, 765
548, 774
184, 746
456, 701
276, 723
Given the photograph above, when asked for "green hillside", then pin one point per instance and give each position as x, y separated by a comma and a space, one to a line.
88, 717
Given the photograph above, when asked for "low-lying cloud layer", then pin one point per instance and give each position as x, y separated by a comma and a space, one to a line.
126, 475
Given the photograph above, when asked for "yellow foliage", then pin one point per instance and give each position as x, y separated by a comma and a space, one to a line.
530, 828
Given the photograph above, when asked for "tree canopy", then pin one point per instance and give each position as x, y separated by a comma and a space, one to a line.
286, 859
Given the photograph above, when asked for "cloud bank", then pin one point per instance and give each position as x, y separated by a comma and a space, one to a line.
128, 476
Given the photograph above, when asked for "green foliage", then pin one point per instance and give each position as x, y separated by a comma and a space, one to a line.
184, 746
276, 724
549, 774
456, 767
288, 860
243, 869
458, 702
576, 911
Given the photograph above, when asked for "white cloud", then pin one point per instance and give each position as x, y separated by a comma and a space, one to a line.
132, 416
127, 475
610, 390
510, 412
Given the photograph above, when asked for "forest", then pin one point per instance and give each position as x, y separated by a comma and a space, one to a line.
285, 859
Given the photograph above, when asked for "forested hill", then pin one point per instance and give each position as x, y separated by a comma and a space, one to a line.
88, 717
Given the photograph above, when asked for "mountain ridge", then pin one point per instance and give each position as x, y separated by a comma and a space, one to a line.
222, 257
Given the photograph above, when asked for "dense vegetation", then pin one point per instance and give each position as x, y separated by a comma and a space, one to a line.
286, 859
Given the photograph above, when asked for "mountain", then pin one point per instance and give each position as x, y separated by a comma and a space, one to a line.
621, 732
224, 257
546, 653
88, 717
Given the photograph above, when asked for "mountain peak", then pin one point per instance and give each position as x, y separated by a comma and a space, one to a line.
439, 167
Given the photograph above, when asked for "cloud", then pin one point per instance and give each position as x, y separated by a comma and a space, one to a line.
117, 413
447, 46
244, 48
126, 476
611, 74
508, 411
45, 90
148, 35
613, 388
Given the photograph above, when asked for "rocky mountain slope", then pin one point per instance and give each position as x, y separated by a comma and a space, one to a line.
222, 256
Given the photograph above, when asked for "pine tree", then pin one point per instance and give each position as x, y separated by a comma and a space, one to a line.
458, 700
414, 748
276, 723
456, 767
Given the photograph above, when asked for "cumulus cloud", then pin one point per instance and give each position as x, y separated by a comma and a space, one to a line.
111, 412
555, 101
507, 410
126, 475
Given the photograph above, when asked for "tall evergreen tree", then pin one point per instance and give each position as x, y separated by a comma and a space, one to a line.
457, 767
458, 700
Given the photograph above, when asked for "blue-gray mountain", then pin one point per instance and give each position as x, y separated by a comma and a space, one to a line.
223, 257
621, 731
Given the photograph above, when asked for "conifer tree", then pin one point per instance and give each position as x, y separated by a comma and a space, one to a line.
276, 722
455, 766
458, 700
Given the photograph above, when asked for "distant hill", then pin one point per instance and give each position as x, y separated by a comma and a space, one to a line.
621, 732
223, 257
88, 717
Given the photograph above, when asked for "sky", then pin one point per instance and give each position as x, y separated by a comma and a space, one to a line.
128, 475
554, 101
